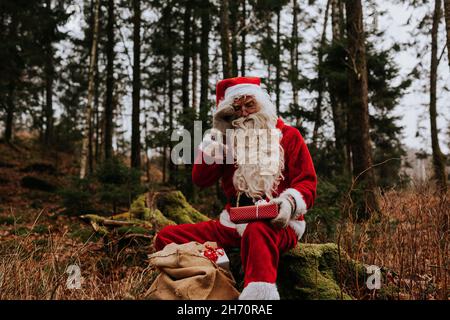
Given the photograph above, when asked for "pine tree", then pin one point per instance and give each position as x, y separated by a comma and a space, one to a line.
87, 135
438, 157
135, 135
359, 138
110, 55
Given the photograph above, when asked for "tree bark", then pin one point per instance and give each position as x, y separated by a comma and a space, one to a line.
337, 104
10, 107
187, 119
49, 73
136, 96
88, 113
447, 23
97, 113
225, 40
108, 117
358, 108
171, 89
10, 98
194, 51
320, 80
243, 36
278, 62
204, 62
294, 53
234, 8
186, 63
438, 158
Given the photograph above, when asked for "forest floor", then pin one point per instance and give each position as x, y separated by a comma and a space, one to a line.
38, 244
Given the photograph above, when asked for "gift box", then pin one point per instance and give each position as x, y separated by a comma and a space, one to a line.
218, 256
251, 213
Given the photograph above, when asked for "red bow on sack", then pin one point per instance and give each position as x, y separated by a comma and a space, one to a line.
213, 253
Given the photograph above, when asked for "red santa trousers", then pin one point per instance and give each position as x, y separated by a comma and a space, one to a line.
261, 244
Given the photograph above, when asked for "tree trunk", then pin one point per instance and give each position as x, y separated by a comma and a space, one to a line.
49, 74
88, 113
337, 105
320, 80
194, 66
234, 8
147, 147
10, 111
97, 113
447, 23
269, 77
225, 40
108, 117
358, 107
278, 63
135, 127
10, 98
294, 53
186, 59
438, 157
187, 112
170, 67
204, 63
243, 37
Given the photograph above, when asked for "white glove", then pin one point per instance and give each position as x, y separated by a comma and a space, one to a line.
212, 145
285, 212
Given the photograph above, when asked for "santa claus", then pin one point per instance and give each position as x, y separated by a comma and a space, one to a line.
288, 179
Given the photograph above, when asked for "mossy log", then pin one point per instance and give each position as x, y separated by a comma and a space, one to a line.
174, 206
318, 272
313, 272
146, 212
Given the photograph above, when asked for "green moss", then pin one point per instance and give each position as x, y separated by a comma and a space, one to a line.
93, 218
139, 210
133, 230
174, 206
317, 272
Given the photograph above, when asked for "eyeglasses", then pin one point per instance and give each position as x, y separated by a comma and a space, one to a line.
248, 106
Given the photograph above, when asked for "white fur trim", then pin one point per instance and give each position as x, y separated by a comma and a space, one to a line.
225, 221
240, 228
299, 201
260, 291
299, 227
241, 89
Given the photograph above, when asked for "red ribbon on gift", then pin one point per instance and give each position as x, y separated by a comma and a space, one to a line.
213, 253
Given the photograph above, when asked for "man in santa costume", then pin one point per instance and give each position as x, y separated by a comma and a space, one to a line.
243, 106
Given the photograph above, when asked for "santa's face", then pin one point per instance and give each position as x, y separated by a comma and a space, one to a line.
259, 157
245, 106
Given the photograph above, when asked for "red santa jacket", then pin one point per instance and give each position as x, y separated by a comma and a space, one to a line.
300, 178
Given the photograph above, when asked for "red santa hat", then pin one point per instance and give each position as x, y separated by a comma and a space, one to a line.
227, 90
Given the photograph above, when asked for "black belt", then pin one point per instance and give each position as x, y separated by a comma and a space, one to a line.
244, 200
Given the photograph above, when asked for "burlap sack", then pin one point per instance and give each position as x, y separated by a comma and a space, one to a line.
187, 275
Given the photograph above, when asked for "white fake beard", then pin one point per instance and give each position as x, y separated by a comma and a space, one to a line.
259, 164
